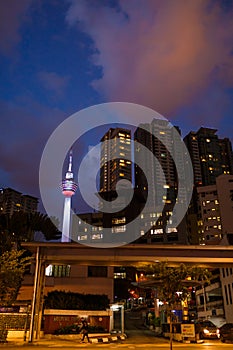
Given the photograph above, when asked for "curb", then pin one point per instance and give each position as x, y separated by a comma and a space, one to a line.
108, 339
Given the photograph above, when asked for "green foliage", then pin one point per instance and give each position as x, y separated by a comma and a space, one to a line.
21, 226
75, 329
75, 301
170, 280
12, 268
71, 329
157, 321
63, 300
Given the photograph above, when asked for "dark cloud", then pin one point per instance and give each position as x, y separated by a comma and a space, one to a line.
12, 13
24, 132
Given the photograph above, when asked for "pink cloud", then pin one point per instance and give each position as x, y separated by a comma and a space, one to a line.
162, 54
53, 82
12, 13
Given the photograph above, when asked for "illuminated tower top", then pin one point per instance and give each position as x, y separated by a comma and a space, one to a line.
69, 187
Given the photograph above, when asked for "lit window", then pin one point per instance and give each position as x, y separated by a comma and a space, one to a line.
119, 275
171, 229
158, 231
82, 238
57, 271
118, 221
117, 229
97, 236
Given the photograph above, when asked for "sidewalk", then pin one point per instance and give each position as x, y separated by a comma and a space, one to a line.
67, 340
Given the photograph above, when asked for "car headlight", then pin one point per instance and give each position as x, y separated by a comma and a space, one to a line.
206, 331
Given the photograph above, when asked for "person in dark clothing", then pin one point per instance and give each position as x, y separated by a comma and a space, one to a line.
84, 331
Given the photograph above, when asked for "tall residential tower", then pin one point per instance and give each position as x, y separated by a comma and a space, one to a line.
118, 150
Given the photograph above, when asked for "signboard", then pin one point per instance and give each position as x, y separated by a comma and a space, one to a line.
188, 330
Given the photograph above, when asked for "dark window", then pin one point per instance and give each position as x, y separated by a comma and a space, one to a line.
227, 301
97, 271
230, 295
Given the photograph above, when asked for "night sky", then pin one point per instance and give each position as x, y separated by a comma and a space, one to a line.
60, 56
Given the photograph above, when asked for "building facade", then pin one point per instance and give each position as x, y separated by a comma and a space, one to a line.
115, 158
156, 179
12, 201
216, 210
211, 157
72, 278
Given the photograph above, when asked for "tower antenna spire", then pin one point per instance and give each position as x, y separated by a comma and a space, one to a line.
70, 161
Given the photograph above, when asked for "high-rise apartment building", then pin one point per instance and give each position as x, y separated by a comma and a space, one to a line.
115, 161
211, 156
12, 200
216, 209
155, 155
158, 164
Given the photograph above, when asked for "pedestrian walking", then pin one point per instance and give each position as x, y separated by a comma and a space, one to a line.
84, 331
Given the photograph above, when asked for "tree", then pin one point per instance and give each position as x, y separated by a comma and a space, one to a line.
21, 227
75, 301
12, 268
172, 283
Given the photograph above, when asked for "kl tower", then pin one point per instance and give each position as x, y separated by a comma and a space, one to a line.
69, 188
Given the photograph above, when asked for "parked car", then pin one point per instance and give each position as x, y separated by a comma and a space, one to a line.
207, 329
226, 332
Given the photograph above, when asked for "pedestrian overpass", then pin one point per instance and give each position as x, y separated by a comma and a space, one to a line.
128, 255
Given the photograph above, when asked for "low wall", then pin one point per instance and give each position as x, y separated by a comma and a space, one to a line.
55, 319
15, 321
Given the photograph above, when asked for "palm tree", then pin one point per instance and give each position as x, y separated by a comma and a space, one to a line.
21, 227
